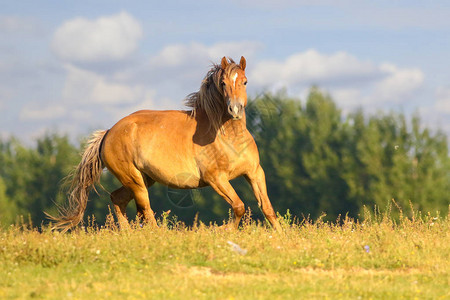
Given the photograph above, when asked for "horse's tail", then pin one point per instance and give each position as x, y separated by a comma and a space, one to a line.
82, 181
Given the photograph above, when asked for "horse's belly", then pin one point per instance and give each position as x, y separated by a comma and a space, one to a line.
173, 173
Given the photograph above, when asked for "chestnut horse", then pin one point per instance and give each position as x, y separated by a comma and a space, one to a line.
208, 145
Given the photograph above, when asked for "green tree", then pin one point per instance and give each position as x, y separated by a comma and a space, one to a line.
8, 209
32, 176
391, 159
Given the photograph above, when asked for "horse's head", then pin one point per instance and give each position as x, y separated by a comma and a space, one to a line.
234, 87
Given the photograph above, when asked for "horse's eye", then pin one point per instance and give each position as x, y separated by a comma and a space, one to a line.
245, 82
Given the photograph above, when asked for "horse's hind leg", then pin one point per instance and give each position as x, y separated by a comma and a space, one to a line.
134, 186
120, 198
137, 184
144, 211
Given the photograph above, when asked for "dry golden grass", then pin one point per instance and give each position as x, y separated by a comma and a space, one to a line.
377, 258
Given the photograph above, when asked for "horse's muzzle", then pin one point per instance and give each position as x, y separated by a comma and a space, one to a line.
236, 110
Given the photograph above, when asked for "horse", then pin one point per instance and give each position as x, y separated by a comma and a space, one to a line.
206, 145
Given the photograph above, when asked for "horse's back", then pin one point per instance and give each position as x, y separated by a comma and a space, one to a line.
157, 143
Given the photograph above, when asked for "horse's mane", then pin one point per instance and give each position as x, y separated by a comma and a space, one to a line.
210, 96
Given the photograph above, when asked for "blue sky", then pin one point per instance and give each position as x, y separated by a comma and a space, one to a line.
74, 67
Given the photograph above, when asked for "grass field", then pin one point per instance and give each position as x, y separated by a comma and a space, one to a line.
373, 259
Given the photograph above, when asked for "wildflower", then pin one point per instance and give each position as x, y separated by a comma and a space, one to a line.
367, 248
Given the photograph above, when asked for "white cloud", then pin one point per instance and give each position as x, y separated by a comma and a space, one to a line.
84, 86
351, 81
197, 53
109, 38
398, 83
312, 67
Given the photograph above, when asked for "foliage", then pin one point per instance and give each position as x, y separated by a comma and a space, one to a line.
32, 176
316, 161
379, 257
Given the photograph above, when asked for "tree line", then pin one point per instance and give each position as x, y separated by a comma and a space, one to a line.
316, 161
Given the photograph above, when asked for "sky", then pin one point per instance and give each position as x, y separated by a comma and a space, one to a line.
76, 66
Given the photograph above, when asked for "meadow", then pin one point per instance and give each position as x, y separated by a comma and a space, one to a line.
379, 257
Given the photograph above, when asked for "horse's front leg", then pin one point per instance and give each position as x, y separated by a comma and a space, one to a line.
223, 187
257, 180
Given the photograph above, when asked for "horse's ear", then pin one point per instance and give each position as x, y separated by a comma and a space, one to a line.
224, 63
243, 63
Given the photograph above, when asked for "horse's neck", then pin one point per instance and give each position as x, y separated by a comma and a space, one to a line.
233, 127
228, 129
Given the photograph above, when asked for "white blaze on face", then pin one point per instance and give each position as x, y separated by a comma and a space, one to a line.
234, 78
